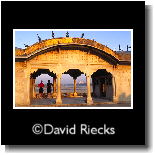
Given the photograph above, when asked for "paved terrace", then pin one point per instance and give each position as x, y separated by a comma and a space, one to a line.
76, 102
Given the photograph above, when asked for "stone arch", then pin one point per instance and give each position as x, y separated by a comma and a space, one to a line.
34, 74
74, 73
103, 84
52, 43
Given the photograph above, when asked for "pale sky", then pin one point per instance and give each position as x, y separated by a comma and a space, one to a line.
64, 80
110, 38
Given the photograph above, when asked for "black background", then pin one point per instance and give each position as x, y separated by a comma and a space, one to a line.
129, 123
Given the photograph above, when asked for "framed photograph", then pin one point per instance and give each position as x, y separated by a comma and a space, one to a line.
73, 78
73, 72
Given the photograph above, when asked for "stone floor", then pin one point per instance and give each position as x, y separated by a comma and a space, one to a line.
79, 101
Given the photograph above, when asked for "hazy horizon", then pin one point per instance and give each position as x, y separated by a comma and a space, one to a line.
66, 79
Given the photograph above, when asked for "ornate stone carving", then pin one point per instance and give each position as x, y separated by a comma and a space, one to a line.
32, 70
68, 57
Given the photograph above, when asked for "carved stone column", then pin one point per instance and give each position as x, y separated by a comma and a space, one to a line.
58, 99
54, 94
89, 98
54, 84
31, 88
75, 93
34, 92
27, 90
114, 98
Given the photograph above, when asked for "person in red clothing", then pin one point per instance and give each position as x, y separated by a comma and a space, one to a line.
41, 85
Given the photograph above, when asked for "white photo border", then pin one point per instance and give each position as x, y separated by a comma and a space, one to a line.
14, 30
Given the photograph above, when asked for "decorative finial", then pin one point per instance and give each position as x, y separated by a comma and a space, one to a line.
67, 34
128, 47
39, 38
53, 34
119, 47
82, 35
26, 45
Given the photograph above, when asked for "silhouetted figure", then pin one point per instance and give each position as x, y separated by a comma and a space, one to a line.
49, 85
82, 35
53, 34
39, 39
67, 34
41, 85
26, 45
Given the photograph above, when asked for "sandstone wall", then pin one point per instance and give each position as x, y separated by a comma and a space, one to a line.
123, 83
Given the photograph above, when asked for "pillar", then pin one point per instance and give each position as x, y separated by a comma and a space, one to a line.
114, 89
27, 90
54, 84
31, 87
34, 92
58, 99
89, 98
75, 93
54, 94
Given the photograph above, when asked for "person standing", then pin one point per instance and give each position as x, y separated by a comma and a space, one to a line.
41, 90
49, 85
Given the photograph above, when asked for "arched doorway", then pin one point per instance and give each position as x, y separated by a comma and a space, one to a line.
45, 79
74, 73
103, 85
45, 76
